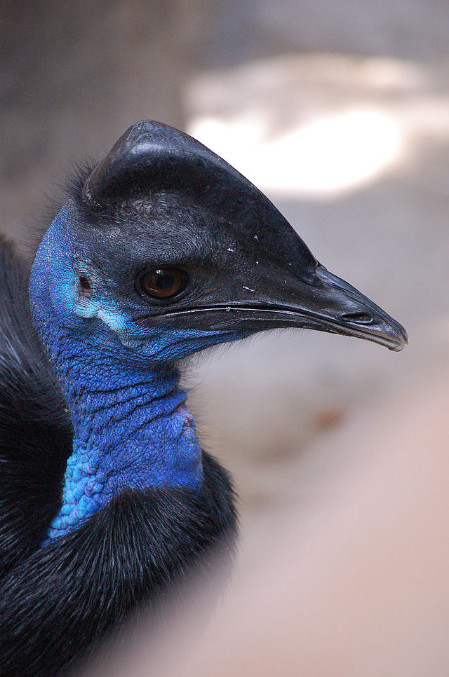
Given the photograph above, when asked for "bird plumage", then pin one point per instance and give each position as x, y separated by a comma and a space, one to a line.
160, 251
35, 429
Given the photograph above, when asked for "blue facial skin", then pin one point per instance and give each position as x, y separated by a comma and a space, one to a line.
131, 428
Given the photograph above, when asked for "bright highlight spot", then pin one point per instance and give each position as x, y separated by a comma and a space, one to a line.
327, 157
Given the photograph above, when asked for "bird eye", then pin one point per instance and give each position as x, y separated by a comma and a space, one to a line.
84, 287
164, 283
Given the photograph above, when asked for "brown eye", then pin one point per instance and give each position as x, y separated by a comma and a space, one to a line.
164, 283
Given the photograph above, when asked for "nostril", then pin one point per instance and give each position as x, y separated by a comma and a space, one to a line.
357, 318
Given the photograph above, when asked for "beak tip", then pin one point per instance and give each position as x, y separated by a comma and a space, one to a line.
401, 340
398, 347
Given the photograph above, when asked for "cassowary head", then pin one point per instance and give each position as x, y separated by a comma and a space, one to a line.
166, 249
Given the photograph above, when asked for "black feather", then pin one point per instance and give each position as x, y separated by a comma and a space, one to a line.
59, 602
35, 430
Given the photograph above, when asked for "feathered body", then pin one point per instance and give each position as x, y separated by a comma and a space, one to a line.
106, 497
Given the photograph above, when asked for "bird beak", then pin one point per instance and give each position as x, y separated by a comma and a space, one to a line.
324, 302
333, 305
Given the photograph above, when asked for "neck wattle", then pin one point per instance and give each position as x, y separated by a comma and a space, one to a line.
131, 431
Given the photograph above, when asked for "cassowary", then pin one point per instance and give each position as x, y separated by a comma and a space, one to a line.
106, 496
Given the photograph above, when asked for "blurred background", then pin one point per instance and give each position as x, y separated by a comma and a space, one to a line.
339, 111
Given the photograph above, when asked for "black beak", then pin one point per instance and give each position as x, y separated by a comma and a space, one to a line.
324, 302
337, 307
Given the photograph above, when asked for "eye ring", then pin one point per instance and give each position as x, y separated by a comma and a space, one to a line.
163, 283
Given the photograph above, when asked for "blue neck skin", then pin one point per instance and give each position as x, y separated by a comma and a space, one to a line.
131, 429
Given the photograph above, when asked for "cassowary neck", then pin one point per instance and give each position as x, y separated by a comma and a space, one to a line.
131, 430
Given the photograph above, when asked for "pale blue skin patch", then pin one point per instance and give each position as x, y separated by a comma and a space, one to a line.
131, 428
